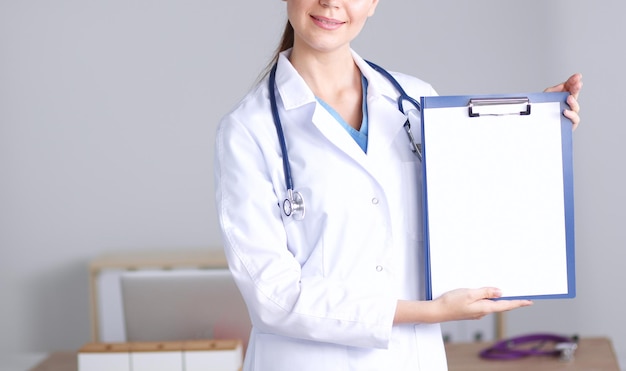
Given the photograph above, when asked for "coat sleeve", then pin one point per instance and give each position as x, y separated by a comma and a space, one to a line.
279, 299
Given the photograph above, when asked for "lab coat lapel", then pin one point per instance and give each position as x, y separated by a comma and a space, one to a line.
297, 100
337, 134
385, 119
385, 122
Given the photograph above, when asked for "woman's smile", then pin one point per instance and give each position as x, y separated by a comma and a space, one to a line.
327, 23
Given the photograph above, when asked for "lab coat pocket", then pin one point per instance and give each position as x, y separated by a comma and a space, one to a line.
280, 353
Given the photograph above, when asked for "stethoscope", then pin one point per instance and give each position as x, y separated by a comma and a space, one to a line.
293, 205
520, 347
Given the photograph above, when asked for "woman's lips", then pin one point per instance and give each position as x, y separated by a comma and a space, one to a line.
327, 23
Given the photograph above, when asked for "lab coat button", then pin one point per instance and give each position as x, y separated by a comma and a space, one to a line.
379, 268
375, 201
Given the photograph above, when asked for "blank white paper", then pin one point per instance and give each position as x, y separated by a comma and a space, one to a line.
495, 201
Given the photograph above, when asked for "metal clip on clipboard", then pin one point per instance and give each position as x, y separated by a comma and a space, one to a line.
498, 106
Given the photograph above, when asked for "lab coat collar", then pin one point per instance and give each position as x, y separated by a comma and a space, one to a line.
384, 117
378, 84
295, 93
293, 90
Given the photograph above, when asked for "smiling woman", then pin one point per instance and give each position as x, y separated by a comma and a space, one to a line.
332, 289
342, 288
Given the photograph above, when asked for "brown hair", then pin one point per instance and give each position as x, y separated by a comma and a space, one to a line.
286, 42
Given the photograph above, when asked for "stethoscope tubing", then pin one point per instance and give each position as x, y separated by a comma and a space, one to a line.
403, 95
279, 129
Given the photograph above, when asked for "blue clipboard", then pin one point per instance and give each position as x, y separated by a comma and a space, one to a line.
498, 194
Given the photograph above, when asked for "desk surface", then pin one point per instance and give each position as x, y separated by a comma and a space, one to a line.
592, 354
201, 258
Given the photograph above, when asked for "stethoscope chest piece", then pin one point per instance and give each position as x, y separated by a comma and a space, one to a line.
293, 205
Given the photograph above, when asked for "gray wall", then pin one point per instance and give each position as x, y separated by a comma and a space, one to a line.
108, 111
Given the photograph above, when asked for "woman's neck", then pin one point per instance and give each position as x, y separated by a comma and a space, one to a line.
335, 78
327, 74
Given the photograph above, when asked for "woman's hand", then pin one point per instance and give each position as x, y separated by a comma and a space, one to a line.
573, 85
456, 305
463, 304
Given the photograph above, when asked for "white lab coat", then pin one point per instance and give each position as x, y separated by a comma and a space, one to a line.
322, 292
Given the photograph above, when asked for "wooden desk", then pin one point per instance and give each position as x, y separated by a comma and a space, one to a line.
592, 354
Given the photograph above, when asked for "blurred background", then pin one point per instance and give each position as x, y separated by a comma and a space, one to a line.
108, 111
